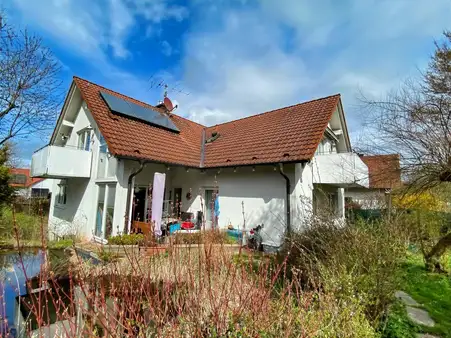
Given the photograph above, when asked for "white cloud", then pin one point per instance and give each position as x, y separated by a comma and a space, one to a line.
121, 21
166, 48
89, 28
259, 58
157, 11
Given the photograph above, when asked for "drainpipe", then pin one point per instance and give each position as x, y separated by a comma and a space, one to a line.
129, 193
288, 202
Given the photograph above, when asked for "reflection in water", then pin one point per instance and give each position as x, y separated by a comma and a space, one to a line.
15, 269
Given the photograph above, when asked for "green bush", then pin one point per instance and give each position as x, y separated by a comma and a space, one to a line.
61, 244
357, 262
131, 239
29, 227
202, 237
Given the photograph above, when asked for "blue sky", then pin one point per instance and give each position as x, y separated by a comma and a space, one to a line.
237, 58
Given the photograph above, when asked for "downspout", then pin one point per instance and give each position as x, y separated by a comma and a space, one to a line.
129, 193
287, 197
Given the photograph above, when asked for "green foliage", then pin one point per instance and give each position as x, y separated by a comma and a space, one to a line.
398, 324
6, 192
61, 244
108, 256
131, 239
357, 263
29, 227
201, 237
432, 290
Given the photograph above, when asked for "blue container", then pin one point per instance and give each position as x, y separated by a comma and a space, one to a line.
235, 233
174, 227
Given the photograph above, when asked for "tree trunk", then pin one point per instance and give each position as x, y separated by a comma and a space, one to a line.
433, 257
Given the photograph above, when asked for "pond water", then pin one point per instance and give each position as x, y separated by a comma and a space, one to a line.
15, 269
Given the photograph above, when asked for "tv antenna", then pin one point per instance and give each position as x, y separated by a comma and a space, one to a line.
158, 82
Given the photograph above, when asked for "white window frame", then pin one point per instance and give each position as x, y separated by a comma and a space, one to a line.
61, 197
84, 139
105, 207
105, 176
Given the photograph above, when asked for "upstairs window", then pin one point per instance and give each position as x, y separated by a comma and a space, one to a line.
106, 165
18, 179
326, 146
84, 139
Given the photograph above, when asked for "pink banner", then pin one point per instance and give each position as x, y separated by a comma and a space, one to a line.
157, 201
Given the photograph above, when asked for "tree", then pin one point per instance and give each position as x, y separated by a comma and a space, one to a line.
29, 84
6, 192
415, 121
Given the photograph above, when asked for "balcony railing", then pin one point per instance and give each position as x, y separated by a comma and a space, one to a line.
61, 162
342, 169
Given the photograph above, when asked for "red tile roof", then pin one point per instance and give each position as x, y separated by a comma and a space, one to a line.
283, 135
288, 134
29, 181
131, 138
384, 171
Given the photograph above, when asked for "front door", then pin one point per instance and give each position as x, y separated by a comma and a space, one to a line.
139, 205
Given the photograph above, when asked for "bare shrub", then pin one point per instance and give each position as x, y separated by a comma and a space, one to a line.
356, 262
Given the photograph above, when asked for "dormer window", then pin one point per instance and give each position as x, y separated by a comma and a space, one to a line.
84, 139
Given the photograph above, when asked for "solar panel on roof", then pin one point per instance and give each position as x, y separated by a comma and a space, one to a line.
127, 108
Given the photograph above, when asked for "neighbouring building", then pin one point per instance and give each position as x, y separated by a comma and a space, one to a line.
275, 168
384, 176
28, 187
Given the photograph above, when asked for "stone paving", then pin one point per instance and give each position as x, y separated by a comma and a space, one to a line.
415, 313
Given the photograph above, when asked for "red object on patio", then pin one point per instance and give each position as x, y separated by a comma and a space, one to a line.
187, 225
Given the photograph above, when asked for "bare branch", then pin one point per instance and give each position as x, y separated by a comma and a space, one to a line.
30, 88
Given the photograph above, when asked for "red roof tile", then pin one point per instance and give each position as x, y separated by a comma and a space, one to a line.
29, 180
284, 135
131, 138
384, 171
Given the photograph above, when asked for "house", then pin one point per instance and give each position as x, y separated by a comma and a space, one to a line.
384, 176
26, 186
111, 157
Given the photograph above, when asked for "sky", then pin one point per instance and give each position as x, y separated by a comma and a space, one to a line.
225, 59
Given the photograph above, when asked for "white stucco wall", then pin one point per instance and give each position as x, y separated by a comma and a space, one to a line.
262, 191
77, 216
368, 198
302, 195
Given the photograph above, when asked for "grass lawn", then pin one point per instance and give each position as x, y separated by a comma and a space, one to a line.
431, 290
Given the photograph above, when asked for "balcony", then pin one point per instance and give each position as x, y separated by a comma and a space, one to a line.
61, 162
341, 169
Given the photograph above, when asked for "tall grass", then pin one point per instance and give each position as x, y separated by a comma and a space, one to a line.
331, 281
358, 263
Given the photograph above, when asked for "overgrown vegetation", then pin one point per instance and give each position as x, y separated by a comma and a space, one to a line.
356, 263
126, 239
202, 237
28, 226
6, 191
432, 290
415, 122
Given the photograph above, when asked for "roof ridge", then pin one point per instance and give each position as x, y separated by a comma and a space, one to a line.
277, 109
114, 91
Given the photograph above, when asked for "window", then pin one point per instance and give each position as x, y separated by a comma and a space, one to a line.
327, 146
106, 166
61, 197
105, 210
84, 139
18, 179
39, 192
